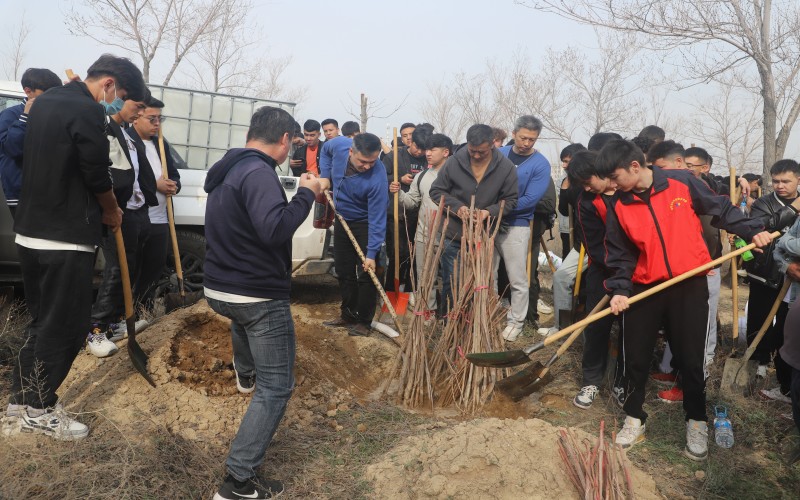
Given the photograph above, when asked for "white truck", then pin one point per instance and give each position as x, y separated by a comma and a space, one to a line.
200, 127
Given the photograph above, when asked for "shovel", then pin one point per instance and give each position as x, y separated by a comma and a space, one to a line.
399, 300
375, 280
535, 376
135, 352
173, 300
505, 359
547, 254
734, 276
738, 373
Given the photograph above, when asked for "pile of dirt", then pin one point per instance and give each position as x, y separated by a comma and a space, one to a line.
196, 397
484, 458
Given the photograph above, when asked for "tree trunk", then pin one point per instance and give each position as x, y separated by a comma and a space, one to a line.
770, 125
364, 116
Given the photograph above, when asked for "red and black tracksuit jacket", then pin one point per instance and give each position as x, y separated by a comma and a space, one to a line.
592, 210
650, 242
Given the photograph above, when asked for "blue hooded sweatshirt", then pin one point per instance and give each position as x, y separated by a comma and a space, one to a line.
13, 123
362, 197
533, 176
249, 226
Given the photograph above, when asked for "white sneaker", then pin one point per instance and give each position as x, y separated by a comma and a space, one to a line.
696, 440
585, 396
11, 423
543, 308
119, 330
775, 395
632, 432
53, 422
99, 345
761, 372
511, 332
546, 332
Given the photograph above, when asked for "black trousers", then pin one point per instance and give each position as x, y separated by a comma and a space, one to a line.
596, 336
151, 266
58, 292
109, 305
683, 309
762, 298
565, 246
359, 296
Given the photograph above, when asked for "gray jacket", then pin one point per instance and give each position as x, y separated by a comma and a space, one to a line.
457, 183
418, 198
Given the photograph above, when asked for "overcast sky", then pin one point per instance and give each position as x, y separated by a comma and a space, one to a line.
340, 49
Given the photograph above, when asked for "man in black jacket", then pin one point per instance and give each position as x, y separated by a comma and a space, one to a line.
777, 211
66, 198
135, 190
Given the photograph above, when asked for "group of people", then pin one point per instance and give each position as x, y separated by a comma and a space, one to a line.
80, 161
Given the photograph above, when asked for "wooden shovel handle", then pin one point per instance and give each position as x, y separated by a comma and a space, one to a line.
734, 276
567, 343
647, 293
171, 215
396, 204
577, 288
124, 273
375, 280
767, 321
547, 254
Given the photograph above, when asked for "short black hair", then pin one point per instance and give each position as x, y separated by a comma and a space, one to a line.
39, 79
420, 136
480, 134
582, 167
440, 141
784, 166
699, 153
350, 128
753, 177
312, 126
269, 124
570, 150
644, 143
600, 139
152, 102
126, 74
330, 121
407, 125
366, 143
617, 153
654, 133
664, 150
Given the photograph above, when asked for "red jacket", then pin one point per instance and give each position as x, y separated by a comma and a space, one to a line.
651, 242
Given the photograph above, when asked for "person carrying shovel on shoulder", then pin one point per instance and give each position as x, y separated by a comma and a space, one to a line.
653, 233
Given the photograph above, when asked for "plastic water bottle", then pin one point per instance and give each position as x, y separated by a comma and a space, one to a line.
739, 243
723, 432
743, 207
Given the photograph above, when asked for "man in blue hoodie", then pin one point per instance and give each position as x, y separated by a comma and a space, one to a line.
361, 194
249, 229
13, 123
533, 174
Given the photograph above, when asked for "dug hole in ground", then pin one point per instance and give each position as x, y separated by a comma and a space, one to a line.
337, 440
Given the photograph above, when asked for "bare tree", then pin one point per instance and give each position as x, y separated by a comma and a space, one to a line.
729, 127
15, 55
371, 109
441, 110
762, 36
146, 26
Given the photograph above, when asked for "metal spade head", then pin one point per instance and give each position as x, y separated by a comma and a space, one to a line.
502, 359
538, 377
520, 379
135, 352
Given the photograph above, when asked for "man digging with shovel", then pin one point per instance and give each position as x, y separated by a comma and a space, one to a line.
653, 234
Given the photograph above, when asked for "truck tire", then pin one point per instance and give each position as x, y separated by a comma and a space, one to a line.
192, 246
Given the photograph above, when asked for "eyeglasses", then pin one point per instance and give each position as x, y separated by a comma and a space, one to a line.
693, 165
156, 119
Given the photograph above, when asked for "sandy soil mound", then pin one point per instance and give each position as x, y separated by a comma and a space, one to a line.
196, 396
486, 458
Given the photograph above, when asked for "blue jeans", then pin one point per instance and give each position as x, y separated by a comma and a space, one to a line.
449, 255
262, 334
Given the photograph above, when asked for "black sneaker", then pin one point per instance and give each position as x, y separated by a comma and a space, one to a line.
232, 489
245, 384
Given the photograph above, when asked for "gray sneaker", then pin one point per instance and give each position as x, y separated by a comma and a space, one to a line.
53, 422
585, 397
696, 440
11, 423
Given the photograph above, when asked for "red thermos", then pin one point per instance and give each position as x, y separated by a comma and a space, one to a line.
323, 212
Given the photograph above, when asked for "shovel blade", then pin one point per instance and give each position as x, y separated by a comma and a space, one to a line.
522, 378
518, 392
738, 376
399, 301
137, 355
501, 359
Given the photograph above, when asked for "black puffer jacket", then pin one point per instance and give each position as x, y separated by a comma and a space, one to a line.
777, 215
